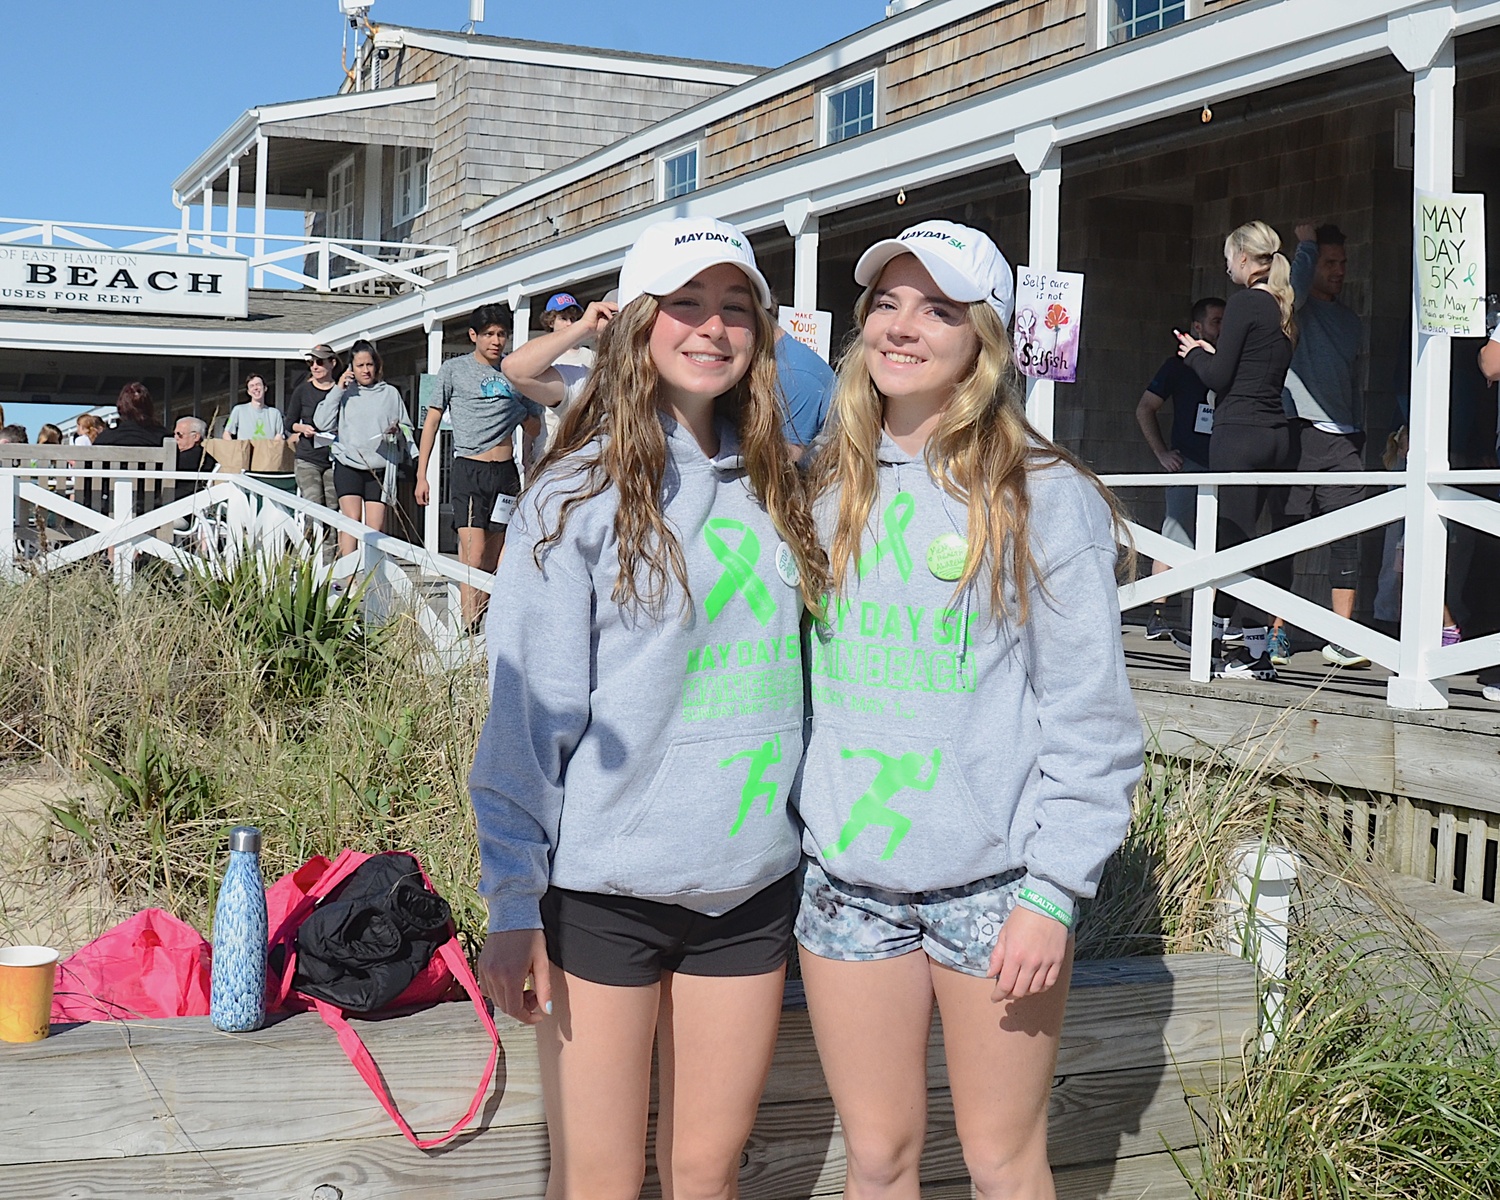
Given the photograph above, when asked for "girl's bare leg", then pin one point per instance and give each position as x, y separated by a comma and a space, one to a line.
715, 1037
872, 1021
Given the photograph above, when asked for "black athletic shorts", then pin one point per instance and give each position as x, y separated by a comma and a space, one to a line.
357, 481
474, 485
625, 942
1319, 450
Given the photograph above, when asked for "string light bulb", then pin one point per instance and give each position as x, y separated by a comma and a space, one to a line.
901, 196
1206, 115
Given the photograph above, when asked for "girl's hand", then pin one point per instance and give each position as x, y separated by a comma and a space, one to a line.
348, 376
509, 959
1029, 954
596, 316
304, 427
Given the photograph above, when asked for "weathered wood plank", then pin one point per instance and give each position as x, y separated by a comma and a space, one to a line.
1144, 1177
1449, 765
170, 1087
795, 1150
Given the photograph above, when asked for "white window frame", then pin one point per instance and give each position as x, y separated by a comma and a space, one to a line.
410, 185
349, 201
825, 103
1101, 19
695, 148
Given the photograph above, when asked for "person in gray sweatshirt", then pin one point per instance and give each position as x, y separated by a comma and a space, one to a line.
373, 437
630, 787
1324, 396
974, 745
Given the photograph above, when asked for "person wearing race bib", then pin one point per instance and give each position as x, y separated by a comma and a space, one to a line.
630, 787
974, 743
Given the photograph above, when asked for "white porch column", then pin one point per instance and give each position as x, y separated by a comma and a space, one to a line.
185, 209
1043, 161
208, 212
262, 147
370, 221
805, 267
521, 319
430, 515
232, 217
1426, 49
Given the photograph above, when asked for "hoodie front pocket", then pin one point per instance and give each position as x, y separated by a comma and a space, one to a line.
893, 810
714, 812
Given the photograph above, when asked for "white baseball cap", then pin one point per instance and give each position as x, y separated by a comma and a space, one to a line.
670, 253
963, 262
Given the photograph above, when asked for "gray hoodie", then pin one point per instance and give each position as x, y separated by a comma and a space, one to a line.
632, 754
362, 417
947, 747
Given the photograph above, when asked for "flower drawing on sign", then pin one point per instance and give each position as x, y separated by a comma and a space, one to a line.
1057, 315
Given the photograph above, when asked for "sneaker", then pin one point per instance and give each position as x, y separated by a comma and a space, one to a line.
1339, 657
1234, 662
1452, 635
1234, 636
1491, 693
1158, 627
1279, 646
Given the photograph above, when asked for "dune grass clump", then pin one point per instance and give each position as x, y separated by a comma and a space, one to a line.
180, 708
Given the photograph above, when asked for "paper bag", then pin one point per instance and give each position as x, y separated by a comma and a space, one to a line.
233, 456
271, 456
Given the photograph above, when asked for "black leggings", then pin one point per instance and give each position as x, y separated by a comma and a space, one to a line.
1251, 448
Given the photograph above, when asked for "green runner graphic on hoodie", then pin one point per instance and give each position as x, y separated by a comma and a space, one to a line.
738, 577
897, 771
767, 754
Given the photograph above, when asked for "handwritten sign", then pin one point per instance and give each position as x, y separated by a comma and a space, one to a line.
812, 327
1049, 309
1450, 264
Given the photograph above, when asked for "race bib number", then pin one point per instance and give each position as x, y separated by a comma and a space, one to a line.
504, 506
1205, 420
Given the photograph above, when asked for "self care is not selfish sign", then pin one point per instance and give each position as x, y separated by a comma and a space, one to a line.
1450, 264
123, 281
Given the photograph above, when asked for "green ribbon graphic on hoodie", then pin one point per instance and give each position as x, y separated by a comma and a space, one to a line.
895, 521
739, 577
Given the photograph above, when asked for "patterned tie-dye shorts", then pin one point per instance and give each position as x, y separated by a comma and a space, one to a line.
957, 927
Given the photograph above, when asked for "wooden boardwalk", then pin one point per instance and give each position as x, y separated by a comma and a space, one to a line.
127, 1111
1469, 928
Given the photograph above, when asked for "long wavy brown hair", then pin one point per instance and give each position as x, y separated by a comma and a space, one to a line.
612, 437
980, 454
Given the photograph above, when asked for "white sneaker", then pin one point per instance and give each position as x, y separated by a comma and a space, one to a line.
1491, 692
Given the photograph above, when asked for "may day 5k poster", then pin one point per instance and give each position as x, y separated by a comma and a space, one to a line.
1450, 264
1049, 308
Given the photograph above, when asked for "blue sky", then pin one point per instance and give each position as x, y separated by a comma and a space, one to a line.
105, 102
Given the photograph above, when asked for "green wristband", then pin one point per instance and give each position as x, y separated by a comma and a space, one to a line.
1050, 907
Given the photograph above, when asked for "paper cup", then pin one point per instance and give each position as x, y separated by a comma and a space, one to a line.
26, 974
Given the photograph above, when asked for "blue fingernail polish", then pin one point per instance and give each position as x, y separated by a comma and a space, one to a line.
547, 1008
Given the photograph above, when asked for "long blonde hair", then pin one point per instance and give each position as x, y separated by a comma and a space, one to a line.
1263, 245
612, 437
980, 454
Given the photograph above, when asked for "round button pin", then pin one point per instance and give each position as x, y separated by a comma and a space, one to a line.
786, 565
947, 555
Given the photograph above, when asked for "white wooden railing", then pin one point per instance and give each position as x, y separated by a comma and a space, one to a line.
282, 522
228, 516
1417, 656
338, 264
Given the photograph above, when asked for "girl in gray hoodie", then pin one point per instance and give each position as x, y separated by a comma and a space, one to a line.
637, 853
974, 744
373, 437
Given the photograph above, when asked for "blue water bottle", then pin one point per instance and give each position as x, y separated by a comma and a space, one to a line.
237, 998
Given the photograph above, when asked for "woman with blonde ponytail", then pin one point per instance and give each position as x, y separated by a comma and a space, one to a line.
1251, 431
637, 853
974, 744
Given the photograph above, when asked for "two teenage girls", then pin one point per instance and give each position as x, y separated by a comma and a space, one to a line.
971, 757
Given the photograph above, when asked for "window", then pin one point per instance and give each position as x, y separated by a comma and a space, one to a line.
410, 196
341, 199
1133, 18
679, 173
849, 110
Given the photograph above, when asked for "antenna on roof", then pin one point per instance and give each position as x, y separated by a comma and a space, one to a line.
476, 15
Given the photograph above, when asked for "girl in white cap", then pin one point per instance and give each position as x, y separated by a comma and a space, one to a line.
638, 856
974, 743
